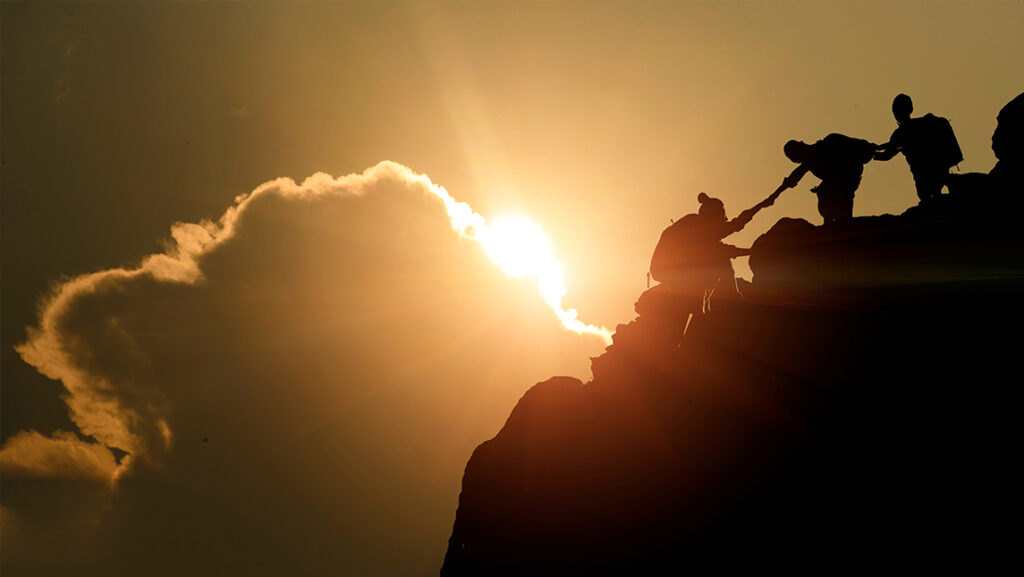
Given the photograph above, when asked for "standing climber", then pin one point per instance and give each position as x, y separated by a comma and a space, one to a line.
838, 160
929, 145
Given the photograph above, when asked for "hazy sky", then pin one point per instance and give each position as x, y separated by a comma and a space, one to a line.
304, 398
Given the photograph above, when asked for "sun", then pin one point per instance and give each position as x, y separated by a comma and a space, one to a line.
521, 249
518, 246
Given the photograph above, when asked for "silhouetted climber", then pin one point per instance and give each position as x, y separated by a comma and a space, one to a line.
927, 142
691, 260
838, 160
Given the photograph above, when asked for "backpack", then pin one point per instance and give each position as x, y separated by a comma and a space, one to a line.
671, 251
937, 141
842, 149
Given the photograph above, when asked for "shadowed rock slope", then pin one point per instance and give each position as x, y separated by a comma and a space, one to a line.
859, 406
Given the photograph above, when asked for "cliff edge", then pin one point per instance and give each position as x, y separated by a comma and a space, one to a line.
858, 406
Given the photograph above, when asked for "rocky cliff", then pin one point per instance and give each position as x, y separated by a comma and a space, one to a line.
858, 406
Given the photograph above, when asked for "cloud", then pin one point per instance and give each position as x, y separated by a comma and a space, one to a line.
97, 406
60, 456
133, 419
308, 373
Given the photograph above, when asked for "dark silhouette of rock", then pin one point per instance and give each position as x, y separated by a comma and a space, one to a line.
838, 160
1008, 146
857, 409
1000, 190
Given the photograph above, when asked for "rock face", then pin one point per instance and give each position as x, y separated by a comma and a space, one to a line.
858, 406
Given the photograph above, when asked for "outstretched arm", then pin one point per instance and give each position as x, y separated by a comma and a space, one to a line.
735, 251
737, 224
886, 151
891, 148
794, 177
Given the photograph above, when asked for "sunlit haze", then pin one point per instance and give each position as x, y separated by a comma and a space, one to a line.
272, 271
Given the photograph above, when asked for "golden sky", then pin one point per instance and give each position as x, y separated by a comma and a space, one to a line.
307, 394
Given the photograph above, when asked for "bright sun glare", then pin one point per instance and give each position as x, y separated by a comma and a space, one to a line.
518, 246
521, 249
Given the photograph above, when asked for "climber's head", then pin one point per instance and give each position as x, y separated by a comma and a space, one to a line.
902, 106
711, 208
796, 151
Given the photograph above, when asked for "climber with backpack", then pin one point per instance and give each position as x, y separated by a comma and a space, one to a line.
929, 145
691, 261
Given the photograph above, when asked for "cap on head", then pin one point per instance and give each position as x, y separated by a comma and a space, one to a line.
902, 106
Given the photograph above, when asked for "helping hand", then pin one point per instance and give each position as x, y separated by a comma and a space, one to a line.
771, 198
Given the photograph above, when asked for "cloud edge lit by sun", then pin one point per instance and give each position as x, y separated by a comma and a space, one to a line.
146, 437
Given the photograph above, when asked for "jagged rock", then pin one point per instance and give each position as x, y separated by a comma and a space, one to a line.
857, 407
1008, 138
1008, 146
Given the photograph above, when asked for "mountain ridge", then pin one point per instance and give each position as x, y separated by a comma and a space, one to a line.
855, 407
